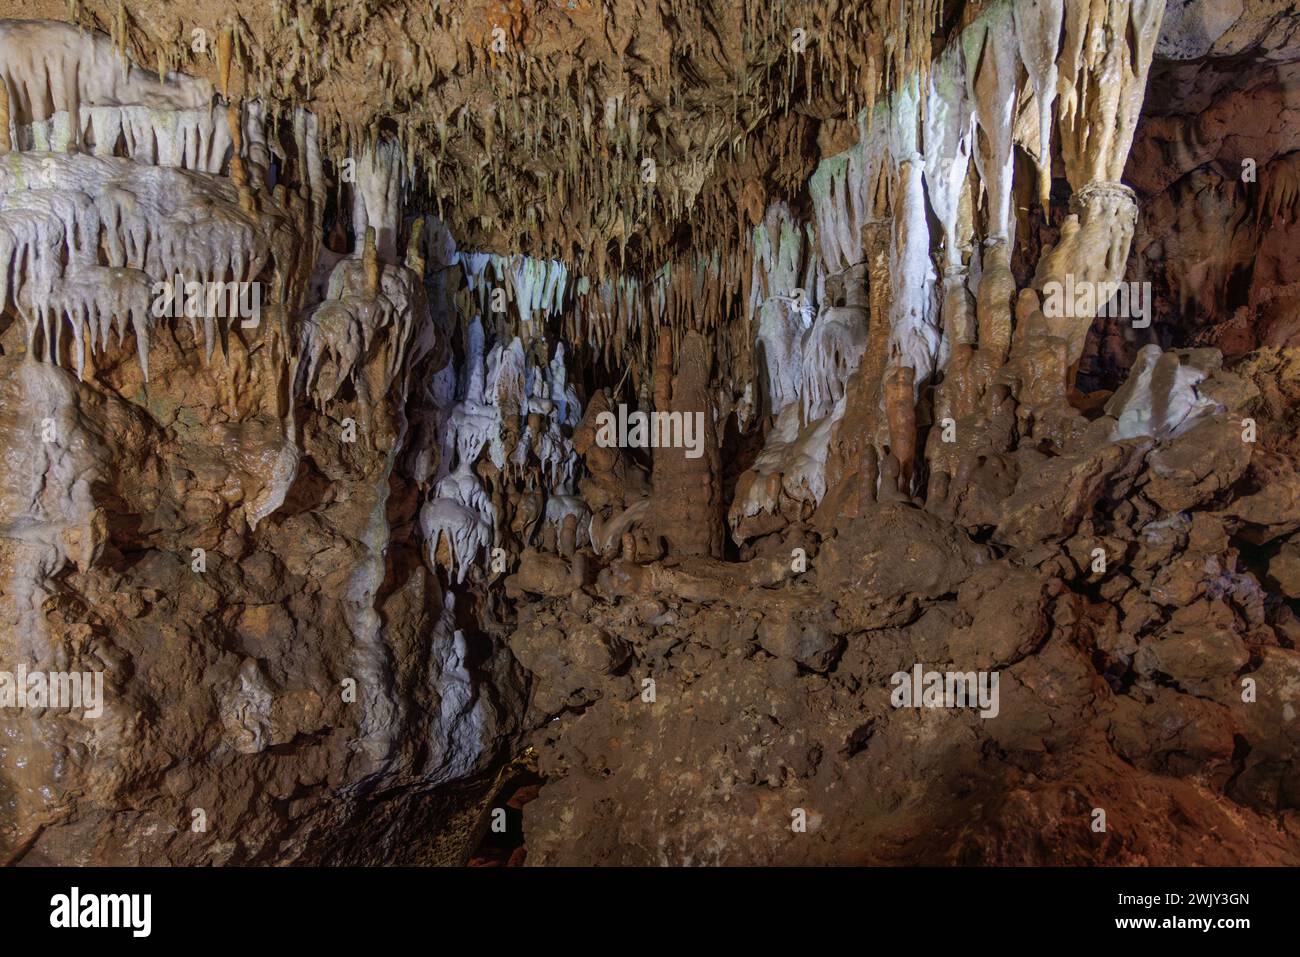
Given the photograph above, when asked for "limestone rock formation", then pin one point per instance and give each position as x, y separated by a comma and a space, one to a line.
724, 433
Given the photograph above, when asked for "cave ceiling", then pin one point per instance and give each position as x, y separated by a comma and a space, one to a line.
608, 134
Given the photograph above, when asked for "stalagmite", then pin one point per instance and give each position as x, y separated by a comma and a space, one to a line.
370, 263
900, 411
238, 175
685, 478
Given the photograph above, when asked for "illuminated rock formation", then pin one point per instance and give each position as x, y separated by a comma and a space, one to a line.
399, 399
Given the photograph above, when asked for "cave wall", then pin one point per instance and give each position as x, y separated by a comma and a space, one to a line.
953, 479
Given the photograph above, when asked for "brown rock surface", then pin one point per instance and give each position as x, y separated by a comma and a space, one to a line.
375, 546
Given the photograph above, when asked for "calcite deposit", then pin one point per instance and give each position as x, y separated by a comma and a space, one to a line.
649, 433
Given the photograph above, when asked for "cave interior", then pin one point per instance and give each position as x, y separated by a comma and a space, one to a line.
649, 432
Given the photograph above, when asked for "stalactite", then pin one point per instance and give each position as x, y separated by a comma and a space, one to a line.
1103, 67
6, 144
376, 197
877, 238
120, 219
949, 135
1038, 28
992, 62
225, 42
237, 173
914, 339
414, 257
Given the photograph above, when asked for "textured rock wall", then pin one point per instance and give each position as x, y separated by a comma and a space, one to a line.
1120, 561
219, 514
359, 564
